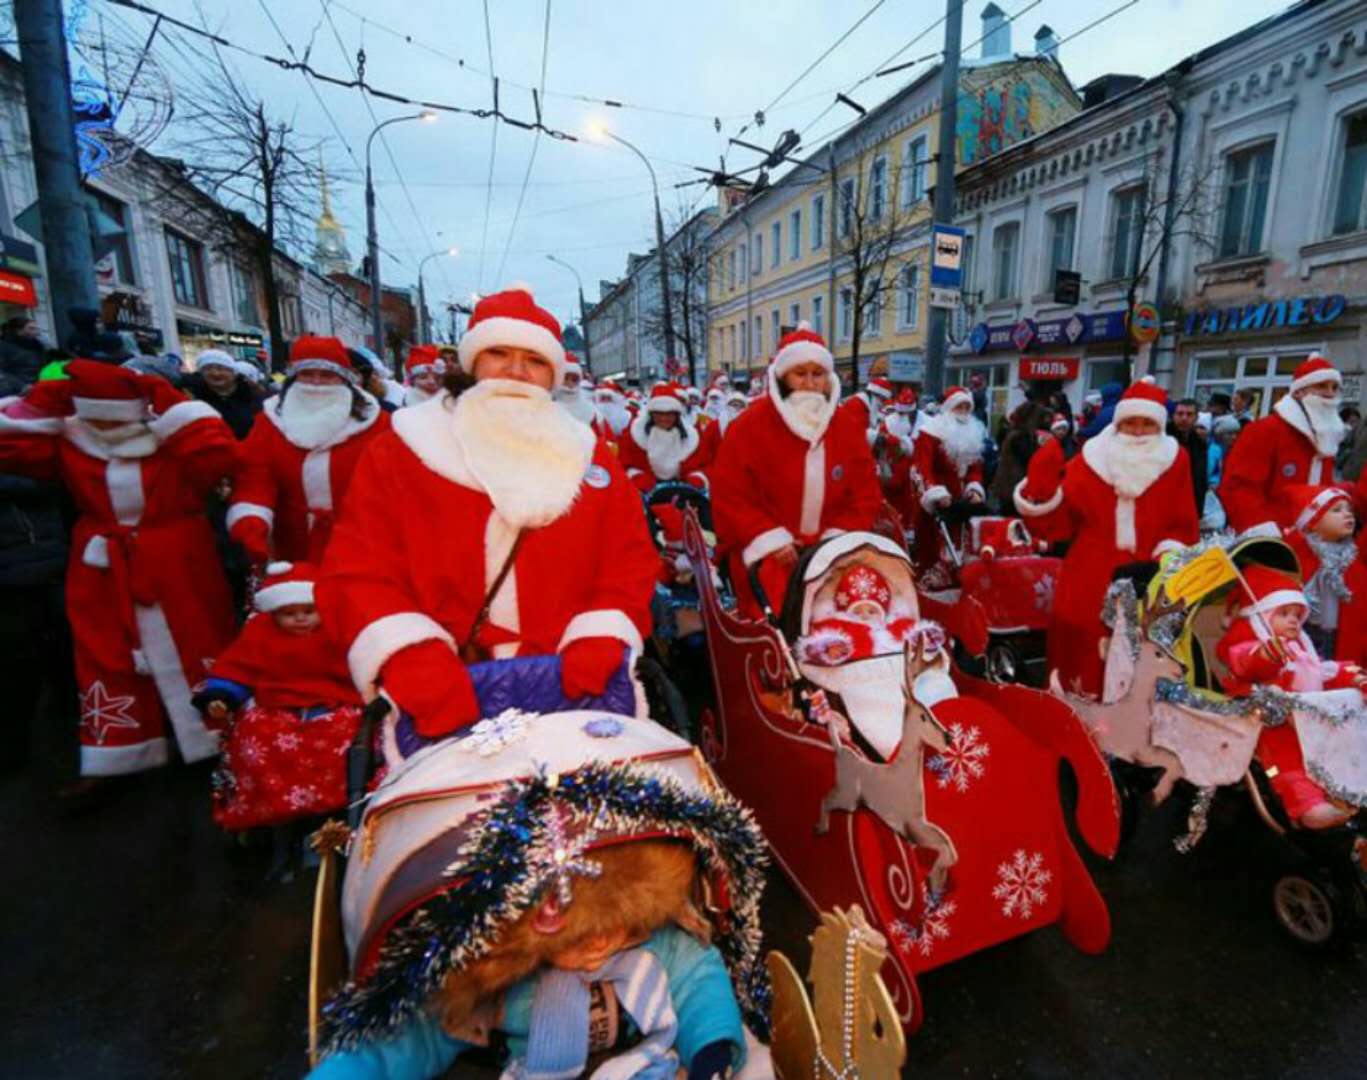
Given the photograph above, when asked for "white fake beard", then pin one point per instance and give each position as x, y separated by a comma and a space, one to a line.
809, 413
614, 414
314, 415
1325, 421
416, 395
727, 415
1135, 462
667, 450
578, 404
131, 440
962, 438
526, 452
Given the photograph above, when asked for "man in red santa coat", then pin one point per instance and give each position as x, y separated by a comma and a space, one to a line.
501, 477
867, 405
1296, 444
301, 453
1125, 498
733, 404
423, 371
613, 414
894, 452
148, 604
574, 398
947, 466
792, 470
663, 442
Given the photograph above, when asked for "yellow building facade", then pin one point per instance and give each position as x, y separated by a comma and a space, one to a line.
841, 240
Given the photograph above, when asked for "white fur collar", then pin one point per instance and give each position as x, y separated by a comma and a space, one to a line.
80, 436
353, 426
1289, 409
790, 421
1096, 453
666, 456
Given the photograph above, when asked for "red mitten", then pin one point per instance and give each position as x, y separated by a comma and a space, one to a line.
429, 682
161, 393
51, 397
1045, 472
255, 537
586, 666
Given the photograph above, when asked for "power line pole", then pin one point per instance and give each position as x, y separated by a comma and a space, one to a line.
52, 132
938, 330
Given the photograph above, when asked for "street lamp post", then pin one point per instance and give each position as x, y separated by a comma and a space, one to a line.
372, 239
600, 130
424, 324
583, 312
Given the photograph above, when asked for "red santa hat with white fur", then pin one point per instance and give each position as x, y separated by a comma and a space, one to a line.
512, 319
286, 583
1144, 400
801, 346
1307, 503
1314, 369
1271, 589
422, 359
311, 353
665, 398
107, 392
954, 397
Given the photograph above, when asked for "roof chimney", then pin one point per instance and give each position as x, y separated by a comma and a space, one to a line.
996, 34
1046, 42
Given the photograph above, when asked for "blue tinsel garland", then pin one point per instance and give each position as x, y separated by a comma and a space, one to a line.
501, 879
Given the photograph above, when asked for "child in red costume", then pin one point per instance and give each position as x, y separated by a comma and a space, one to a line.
1318, 525
297, 709
1267, 644
863, 628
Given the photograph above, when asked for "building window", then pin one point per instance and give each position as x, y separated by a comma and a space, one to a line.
757, 248
909, 309
187, 270
878, 188
745, 339
818, 222
1062, 235
795, 235
759, 335
731, 271
1267, 375
794, 314
848, 193
744, 262
119, 260
1350, 211
873, 308
1128, 215
915, 158
1005, 242
775, 327
776, 243
816, 314
846, 324
1247, 176
244, 294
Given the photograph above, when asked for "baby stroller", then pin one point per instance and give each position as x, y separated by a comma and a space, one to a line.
1164, 711
944, 822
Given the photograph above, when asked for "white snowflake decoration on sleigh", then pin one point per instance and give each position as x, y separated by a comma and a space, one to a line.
1021, 884
964, 761
1044, 593
934, 928
490, 736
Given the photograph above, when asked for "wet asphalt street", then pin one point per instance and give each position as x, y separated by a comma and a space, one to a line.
137, 943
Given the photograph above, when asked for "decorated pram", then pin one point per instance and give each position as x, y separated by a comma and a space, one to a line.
938, 813
1165, 716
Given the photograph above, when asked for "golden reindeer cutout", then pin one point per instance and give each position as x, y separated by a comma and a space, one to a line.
851, 1029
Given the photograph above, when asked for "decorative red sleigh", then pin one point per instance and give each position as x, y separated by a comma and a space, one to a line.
988, 784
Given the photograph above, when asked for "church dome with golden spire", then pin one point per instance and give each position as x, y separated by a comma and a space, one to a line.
330, 254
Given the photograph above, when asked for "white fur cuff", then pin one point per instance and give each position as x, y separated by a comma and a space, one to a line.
1164, 546
28, 425
1026, 508
605, 622
765, 544
975, 488
374, 645
933, 497
238, 511
179, 415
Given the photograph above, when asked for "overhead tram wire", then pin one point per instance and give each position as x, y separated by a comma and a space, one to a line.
355, 160
493, 151
536, 141
428, 242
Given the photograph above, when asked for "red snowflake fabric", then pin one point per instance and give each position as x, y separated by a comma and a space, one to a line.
278, 767
862, 583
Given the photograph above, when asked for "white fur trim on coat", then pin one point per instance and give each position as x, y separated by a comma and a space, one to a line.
933, 497
1026, 508
765, 544
238, 511
605, 622
27, 425
274, 597
122, 760
179, 415
375, 644
125, 409
668, 466
195, 740
975, 488
511, 333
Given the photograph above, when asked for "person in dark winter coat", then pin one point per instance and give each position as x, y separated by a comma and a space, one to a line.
1182, 427
22, 354
1026, 423
1110, 394
217, 382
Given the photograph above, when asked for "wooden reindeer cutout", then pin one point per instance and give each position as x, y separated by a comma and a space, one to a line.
850, 1029
895, 791
1123, 721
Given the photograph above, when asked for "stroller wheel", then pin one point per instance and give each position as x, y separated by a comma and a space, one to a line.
1313, 912
1003, 663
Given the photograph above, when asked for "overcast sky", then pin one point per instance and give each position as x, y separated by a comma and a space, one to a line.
677, 65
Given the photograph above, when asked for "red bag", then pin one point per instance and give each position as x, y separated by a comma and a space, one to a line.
278, 767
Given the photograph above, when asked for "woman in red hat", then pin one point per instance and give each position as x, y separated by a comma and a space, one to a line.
1125, 498
301, 453
422, 372
792, 470
663, 442
145, 594
491, 525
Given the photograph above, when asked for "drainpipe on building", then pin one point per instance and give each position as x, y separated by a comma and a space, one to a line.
831, 212
750, 344
1174, 169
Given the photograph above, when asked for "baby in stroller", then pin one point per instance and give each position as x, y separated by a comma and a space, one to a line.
1267, 644
863, 625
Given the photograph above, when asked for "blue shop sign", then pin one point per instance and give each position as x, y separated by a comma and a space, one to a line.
1075, 329
1265, 315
